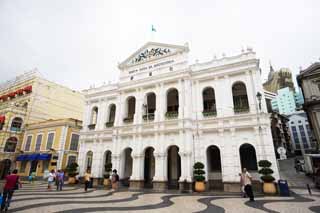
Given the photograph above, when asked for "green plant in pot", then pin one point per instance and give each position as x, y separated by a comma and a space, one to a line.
198, 175
72, 172
266, 176
106, 175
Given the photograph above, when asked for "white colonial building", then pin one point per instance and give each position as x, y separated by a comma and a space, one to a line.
164, 115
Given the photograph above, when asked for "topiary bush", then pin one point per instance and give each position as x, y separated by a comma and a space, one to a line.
266, 171
198, 172
72, 169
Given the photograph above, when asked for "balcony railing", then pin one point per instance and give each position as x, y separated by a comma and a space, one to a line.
209, 113
239, 110
15, 129
109, 124
172, 114
148, 117
92, 126
128, 120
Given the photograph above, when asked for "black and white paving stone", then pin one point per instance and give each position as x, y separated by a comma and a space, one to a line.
36, 198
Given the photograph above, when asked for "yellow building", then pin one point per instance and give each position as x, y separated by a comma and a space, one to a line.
51, 144
27, 99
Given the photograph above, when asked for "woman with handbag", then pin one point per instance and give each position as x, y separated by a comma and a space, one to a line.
12, 184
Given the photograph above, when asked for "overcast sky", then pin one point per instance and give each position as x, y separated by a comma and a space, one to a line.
80, 42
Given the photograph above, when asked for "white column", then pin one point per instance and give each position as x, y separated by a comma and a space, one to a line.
138, 110
158, 104
187, 98
119, 110
181, 98
251, 92
225, 88
199, 102
87, 116
102, 117
162, 102
160, 167
62, 143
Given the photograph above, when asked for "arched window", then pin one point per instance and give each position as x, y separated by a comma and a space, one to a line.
111, 116
149, 107
11, 144
209, 102
172, 103
16, 124
131, 109
240, 98
94, 118
248, 157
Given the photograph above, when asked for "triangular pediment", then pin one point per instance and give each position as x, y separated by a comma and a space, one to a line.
152, 51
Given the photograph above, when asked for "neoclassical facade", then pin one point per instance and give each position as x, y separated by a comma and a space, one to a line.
165, 114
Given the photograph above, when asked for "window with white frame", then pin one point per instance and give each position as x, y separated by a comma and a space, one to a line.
38, 142
28, 143
50, 140
74, 142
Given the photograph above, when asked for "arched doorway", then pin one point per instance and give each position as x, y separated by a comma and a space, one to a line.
174, 167
248, 157
89, 158
149, 167
5, 166
214, 168
107, 162
127, 166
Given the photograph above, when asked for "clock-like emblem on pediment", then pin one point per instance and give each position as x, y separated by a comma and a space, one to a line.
150, 53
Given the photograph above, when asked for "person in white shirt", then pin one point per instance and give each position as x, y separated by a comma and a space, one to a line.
247, 182
51, 179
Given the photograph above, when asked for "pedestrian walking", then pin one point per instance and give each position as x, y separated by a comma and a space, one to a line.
60, 179
297, 165
115, 179
51, 179
243, 193
12, 183
247, 183
87, 179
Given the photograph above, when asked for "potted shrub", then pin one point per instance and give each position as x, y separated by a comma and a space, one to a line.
72, 172
267, 178
107, 169
198, 175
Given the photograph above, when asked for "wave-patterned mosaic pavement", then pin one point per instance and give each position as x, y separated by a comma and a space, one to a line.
36, 198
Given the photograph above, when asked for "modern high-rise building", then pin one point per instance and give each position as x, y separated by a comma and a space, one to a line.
27, 99
287, 101
301, 135
278, 80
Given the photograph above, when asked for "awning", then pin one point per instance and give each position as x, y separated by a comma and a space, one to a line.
44, 157
33, 157
21, 157
36, 156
